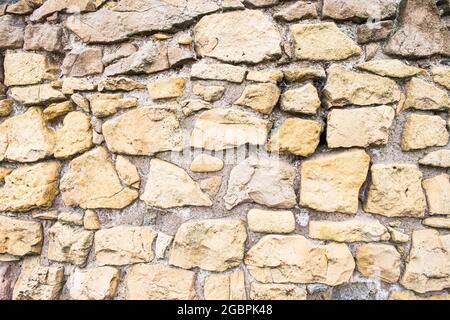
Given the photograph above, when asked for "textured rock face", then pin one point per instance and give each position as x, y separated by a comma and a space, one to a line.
94, 284
378, 261
441, 75
83, 63
354, 9
263, 291
216, 71
294, 259
422, 95
45, 37
74, 137
165, 89
440, 158
270, 221
11, 32
423, 131
260, 97
107, 104
27, 68
437, 190
391, 68
206, 163
225, 286
20, 237
301, 100
36, 94
214, 245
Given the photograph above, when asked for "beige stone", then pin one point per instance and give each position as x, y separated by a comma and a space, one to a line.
56, 110
163, 241
127, 172
273, 291
273, 76
208, 93
263, 181
422, 95
70, 218
374, 31
75, 136
169, 186
144, 131
211, 185
297, 11
322, 41
4, 172
440, 223
331, 183
304, 73
11, 32
124, 50
166, 89
37, 94
301, 100
396, 191
260, 97
93, 284
441, 75
218, 71
91, 220
437, 190
71, 85
83, 63
124, 245
71, 6
220, 129
81, 102
397, 236
47, 215
25, 68
356, 230
193, 105
270, 221
158, 282
106, 104
281, 259
409, 295
379, 261
47, 37
20, 237
213, 245
206, 163
92, 182
391, 68
423, 131
361, 127
355, 9
6, 107
120, 84
230, 286
439, 158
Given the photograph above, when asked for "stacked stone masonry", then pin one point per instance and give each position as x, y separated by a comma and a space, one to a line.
224, 149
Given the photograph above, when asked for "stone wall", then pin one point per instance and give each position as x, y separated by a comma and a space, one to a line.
224, 149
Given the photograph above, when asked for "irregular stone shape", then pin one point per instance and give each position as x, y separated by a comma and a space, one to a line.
206, 163
420, 32
83, 63
356, 230
378, 261
144, 131
124, 245
6, 107
4, 172
397, 236
218, 71
137, 17
437, 190
93, 284
409, 295
191, 106
297, 136
36, 282
46, 37
75, 136
273, 291
350, 88
331, 183
127, 172
270, 221
120, 84
81, 102
261, 3
441, 75
441, 223
260, 97
396, 191
124, 50
208, 93
304, 73
428, 264
69, 244
301, 100
11, 32
91, 220
167, 88
159, 282
37, 94
106, 104
70, 6
21, 7
423, 131
273, 76
230, 286
92, 182
361, 127
238, 36
70, 218
220, 129
357, 10
374, 31
26, 137
211, 185
295, 259
162, 244
24, 68
169, 186
70, 85
6, 279
20, 237
261, 180
57, 110
30, 187
391, 68
297, 11
322, 41
439, 158
422, 95
213, 245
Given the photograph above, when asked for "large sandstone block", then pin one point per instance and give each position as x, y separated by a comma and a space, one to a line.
20, 237
356, 230
260, 97
423, 131
422, 95
301, 100
270, 221
93, 284
391, 68
24, 68
37, 94
437, 190
218, 71
378, 261
11, 32
358, 10
439, 158
230, 286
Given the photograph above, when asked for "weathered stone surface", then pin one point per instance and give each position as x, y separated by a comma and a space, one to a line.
56, 110
304, 73
70, 6
422, 95
37, 282
322, 41
361, 127
159, 282
301, 100
270, 221
420, 31
441, 75
208, 93
397, 236
423, 131
93, 284
345, 87
374, 31
37, 94
30, 187
272, 291
106, 104
214, 245
261, 180
378, 261
169, 186
72, 218
206, 163
124, 245
11, 32
295, 259
439, 158
91, 220
238, 36
83, 63
124, 50
166, 89
163, 241
428, 264
120, 84
229, 286
396, 191
437, 190
26, 137
70, 85
260, 97
6, 272
75, 136
47, 37
21, 7
51, 215
211, 185
92, 182
193, 105
331, 183
355, 9
81, 102
6, 107
144, 131
297, 11
391, 68
297, 136
24, 68
20, 237
218, 71
127, 172
357, 230
4, 172
409, 295
273, 76
440, 223
220, 129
